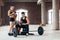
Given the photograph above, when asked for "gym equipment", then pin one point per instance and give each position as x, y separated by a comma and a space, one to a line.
15, 32
40, 31
24, 32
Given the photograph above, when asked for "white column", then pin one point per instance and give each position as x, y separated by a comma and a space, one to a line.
55, 6
46, 16
43, 12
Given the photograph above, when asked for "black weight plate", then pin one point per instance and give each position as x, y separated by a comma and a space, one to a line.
40, 31
15, 32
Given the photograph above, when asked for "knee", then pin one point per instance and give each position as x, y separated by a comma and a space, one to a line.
17, 25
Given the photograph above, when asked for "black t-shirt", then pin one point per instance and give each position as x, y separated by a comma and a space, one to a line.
24, 19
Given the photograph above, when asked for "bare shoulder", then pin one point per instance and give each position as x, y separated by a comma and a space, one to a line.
27, 18
8, 10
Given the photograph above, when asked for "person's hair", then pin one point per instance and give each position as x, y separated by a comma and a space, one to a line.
23, 13
11, 6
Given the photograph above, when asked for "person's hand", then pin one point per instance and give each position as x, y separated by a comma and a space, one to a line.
13, 13
27, 23
21, 22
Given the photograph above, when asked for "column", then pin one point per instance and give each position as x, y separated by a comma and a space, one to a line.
0, 16
46, 16
55, 6
0, 11
43, 12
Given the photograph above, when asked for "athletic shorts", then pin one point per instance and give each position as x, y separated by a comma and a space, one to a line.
11, 19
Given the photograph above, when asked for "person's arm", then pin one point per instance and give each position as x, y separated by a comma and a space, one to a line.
28, 22
41, 24
20, 21
9, 13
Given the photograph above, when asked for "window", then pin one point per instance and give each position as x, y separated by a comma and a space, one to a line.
50, 16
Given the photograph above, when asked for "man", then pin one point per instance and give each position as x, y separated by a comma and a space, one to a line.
24, 21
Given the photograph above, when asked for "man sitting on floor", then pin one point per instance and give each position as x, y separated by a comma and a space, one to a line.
24, 23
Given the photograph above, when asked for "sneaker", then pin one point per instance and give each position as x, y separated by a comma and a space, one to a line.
27, 34
10, 34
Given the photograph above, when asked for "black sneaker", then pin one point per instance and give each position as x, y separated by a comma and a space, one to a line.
10, 34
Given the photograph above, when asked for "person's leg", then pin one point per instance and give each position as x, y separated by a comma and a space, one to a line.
26, 29
23, 26
11, 26
18, 27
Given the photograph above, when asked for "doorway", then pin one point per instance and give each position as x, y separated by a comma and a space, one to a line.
19, 11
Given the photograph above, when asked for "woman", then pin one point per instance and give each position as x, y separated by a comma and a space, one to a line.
11, 14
